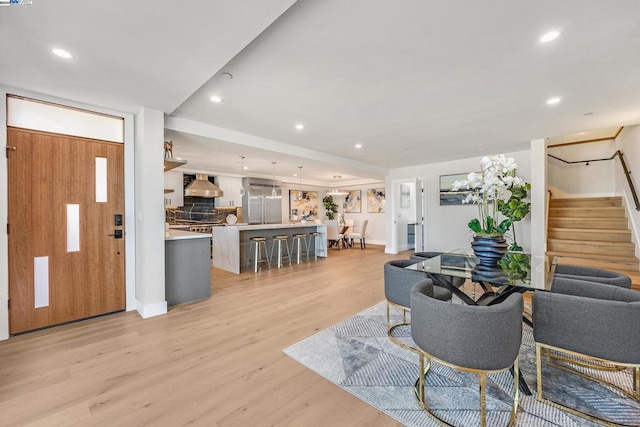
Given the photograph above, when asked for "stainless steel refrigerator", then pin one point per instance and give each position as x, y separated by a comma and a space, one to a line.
259, 205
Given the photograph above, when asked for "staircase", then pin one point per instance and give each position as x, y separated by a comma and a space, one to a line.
592, 232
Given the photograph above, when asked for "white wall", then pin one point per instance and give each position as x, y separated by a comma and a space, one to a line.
4, 212
149, 208
375, 234
629, 143
538, 197
446, 226
580, 180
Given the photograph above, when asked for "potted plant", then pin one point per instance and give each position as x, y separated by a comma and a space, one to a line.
496, 189
330, 207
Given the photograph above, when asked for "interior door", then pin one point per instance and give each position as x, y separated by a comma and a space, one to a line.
66, 228
419, 216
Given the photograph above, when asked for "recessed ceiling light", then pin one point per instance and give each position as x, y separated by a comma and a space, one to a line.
552, 101
245, 167
358, 145
551, 35
62, 53
295, 174
299, 126
216, 99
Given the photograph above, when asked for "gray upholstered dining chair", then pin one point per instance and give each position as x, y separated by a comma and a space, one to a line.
592, 275
398, 282
592, 321
478, 339
421, 256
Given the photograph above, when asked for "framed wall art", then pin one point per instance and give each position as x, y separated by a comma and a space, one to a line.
303, 204
375, 200
447, 197
405, 196
352, 202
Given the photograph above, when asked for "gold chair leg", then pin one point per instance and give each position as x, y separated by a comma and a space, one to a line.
388, 316
483, 400
516, 392
539, 371
421, 380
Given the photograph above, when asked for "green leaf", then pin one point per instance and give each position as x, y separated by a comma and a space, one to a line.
504, 226
475, 226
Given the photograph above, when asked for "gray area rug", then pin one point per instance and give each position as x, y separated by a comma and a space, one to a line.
357, 355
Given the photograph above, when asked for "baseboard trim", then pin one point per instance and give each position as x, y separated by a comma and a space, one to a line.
151, 310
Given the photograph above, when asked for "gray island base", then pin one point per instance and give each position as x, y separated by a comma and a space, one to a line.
187, 266
231, 243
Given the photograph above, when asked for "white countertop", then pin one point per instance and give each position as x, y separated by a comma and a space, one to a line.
271, 226
183, 235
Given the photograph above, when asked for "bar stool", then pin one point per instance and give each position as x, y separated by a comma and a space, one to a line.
297, 242
258, 247
314, 238
279, 240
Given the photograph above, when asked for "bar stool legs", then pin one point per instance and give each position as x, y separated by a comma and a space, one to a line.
297, 243
319, 246
258, 248
279, 241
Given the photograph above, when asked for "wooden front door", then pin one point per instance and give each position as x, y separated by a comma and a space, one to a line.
56, 276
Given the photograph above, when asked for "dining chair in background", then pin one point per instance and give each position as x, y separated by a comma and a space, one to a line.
359, 236
333, 235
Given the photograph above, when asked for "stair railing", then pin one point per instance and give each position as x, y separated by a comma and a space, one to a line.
627, 172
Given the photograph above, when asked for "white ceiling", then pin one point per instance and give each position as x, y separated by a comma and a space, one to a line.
414, 82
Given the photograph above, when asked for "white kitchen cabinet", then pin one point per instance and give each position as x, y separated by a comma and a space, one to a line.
173, 181
230, 186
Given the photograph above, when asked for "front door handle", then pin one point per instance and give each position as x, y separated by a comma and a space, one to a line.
117, 234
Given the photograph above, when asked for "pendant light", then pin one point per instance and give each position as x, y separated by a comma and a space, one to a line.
274, 193
242, 191
337, 191
300, 187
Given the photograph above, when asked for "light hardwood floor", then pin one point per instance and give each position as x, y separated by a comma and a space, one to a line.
217, 362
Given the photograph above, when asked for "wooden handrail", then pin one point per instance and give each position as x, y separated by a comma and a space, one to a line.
627, 172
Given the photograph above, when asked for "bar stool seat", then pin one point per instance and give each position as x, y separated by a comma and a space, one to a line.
319, 244
278, 240
297, 243
258, 247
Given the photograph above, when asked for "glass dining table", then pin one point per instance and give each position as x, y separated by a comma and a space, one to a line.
522, 272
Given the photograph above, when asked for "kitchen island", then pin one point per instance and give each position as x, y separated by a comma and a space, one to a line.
231, 242
187, 266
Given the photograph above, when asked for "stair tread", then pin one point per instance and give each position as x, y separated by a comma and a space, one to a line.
593, 242
594, 256
588, 218
616, 208
591, 230
564, 199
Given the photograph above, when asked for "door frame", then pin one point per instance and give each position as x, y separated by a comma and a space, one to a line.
393, 204
129, 199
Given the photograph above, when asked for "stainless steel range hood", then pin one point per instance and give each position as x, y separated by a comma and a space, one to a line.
201, 187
